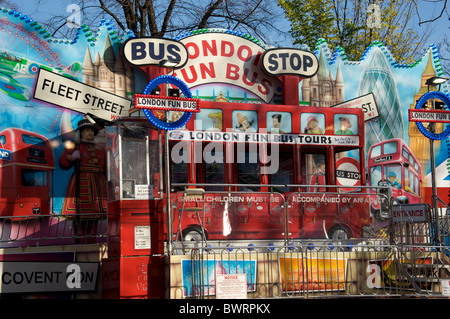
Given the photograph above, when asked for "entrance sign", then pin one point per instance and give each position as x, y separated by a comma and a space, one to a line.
156, 102
290, 61
186, 92
145, 51
365, 102
413, 213
438, 116
70, 94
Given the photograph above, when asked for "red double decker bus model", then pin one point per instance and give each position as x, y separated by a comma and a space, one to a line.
392, 163
258, 171
27, 161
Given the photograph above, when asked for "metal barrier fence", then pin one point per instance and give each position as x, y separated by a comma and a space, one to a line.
406, 257
42, 230
313, 270
349, 209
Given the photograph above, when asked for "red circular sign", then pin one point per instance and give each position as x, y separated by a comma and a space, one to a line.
348, 173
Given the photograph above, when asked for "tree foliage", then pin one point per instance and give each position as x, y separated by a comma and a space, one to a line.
355, 24
169, 18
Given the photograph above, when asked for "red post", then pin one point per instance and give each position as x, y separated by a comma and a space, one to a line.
290, 89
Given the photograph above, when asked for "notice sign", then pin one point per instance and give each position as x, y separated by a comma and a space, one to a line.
70, 94
25, 277
231, 286
445, 284
366, 102
156, 102
142, 237
422, 115
143, 191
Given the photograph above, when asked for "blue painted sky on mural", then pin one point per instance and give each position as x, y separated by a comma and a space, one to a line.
428, 9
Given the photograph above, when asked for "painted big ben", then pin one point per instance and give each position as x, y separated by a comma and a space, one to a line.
420, 144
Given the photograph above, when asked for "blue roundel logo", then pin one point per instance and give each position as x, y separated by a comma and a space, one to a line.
167, 79
433, 95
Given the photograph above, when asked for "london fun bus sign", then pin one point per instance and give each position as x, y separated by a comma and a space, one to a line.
421, 115
220, 58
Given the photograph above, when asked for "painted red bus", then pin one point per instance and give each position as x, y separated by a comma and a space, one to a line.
392, 162
258, 166
25, 173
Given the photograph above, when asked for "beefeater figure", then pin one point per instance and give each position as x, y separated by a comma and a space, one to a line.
90, 161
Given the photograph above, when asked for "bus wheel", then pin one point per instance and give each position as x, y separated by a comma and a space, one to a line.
339, 233
192, 233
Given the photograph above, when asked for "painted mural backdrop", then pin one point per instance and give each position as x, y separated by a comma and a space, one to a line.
223, 66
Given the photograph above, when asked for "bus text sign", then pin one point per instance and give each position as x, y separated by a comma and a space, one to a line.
434, 116
155, 102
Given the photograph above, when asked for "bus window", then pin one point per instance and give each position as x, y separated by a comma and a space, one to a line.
34, 140
376, 151
375, 175
312, 123
209, 120
393, 175
248, 168
390, 148
285, 173
405, 153
279, 122
408, 178
411, 182
32, 177
245, 121
415, 184
212, 168
346, 124
179, 164
315, 165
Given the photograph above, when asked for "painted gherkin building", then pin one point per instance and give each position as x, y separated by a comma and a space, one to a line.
378, 79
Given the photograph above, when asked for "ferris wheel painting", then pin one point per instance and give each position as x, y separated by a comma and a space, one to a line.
24, 49
22, 53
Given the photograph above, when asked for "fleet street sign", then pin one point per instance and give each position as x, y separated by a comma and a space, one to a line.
70, 94
365, 102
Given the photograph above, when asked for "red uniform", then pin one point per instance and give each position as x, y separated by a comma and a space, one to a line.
318, 179
91, 178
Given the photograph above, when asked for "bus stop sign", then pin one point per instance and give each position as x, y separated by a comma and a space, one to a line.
348, 173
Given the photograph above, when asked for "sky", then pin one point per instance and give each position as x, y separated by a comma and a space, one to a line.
428, 9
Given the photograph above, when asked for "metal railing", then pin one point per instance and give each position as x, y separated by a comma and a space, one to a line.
406, 257
39, 230
314, 270
288, 210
